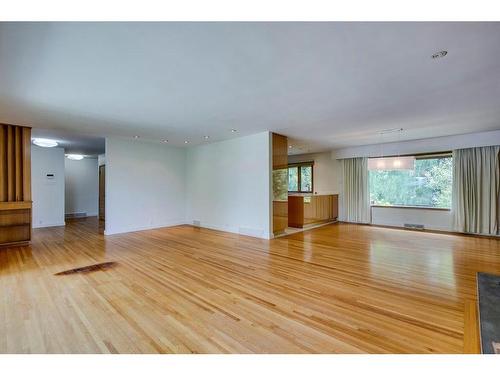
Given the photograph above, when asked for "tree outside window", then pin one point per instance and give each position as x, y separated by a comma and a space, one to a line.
429, 185
300, 178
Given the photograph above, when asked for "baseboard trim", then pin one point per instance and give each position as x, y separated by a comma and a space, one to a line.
140, 229
249, 232
74, 215
49, 225
437, 231
218, 229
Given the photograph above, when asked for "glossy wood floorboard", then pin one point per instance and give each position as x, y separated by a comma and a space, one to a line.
336, 289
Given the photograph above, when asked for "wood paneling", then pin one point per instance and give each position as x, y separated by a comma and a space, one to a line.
3, 164
26, 136
340, 288
15, 163
280, 151
14, 217
280, 216
14, 235
305, 210
280, 161
295, 211
320, 208
15, 184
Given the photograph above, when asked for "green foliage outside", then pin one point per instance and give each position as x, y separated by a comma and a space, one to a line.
293, 179
428, 185
306, 178
280, 184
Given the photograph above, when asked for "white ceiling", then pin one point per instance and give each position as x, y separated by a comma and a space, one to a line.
326, 85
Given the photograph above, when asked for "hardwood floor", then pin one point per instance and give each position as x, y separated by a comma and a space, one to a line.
336, 289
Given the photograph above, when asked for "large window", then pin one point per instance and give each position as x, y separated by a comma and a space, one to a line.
300, 178
429, 185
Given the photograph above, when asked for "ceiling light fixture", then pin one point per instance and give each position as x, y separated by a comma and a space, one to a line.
186, 142
439, 54
43, 142
74, 156
136, 137
233, 130
206, 137
165, 140
290, 146
392, 163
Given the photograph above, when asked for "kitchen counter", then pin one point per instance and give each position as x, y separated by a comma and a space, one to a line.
306, 210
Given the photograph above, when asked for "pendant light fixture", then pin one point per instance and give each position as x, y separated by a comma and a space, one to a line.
74, 156
391, 163
44, 142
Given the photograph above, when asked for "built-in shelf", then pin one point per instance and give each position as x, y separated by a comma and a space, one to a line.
15, 189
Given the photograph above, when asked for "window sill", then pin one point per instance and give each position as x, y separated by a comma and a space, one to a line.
413, 207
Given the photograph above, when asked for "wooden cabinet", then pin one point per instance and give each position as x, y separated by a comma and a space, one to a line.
15, 223
315, 209
15, 185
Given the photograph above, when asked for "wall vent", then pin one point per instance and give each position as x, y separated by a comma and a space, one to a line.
414, 226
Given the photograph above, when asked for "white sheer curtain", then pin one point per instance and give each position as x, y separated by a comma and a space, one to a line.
476, 189
355, 200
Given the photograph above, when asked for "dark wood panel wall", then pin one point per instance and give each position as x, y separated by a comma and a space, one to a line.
15, 163
15, 184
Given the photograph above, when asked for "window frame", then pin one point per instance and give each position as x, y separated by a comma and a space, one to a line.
420, 156
299, 173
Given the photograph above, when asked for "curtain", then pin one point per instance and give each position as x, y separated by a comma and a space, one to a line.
476, 190
355, 201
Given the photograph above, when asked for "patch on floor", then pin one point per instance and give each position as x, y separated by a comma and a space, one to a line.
488, 288
94, 267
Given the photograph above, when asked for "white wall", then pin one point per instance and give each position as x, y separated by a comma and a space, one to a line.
229, 185
431, 219
48, 194
325, 171
81, 186
145, 185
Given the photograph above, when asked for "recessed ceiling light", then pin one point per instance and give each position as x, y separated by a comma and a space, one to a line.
186, 142
165, 140
44, 142
206, 137
290, 146
439, 54
74, 157
136, 137
233, 130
